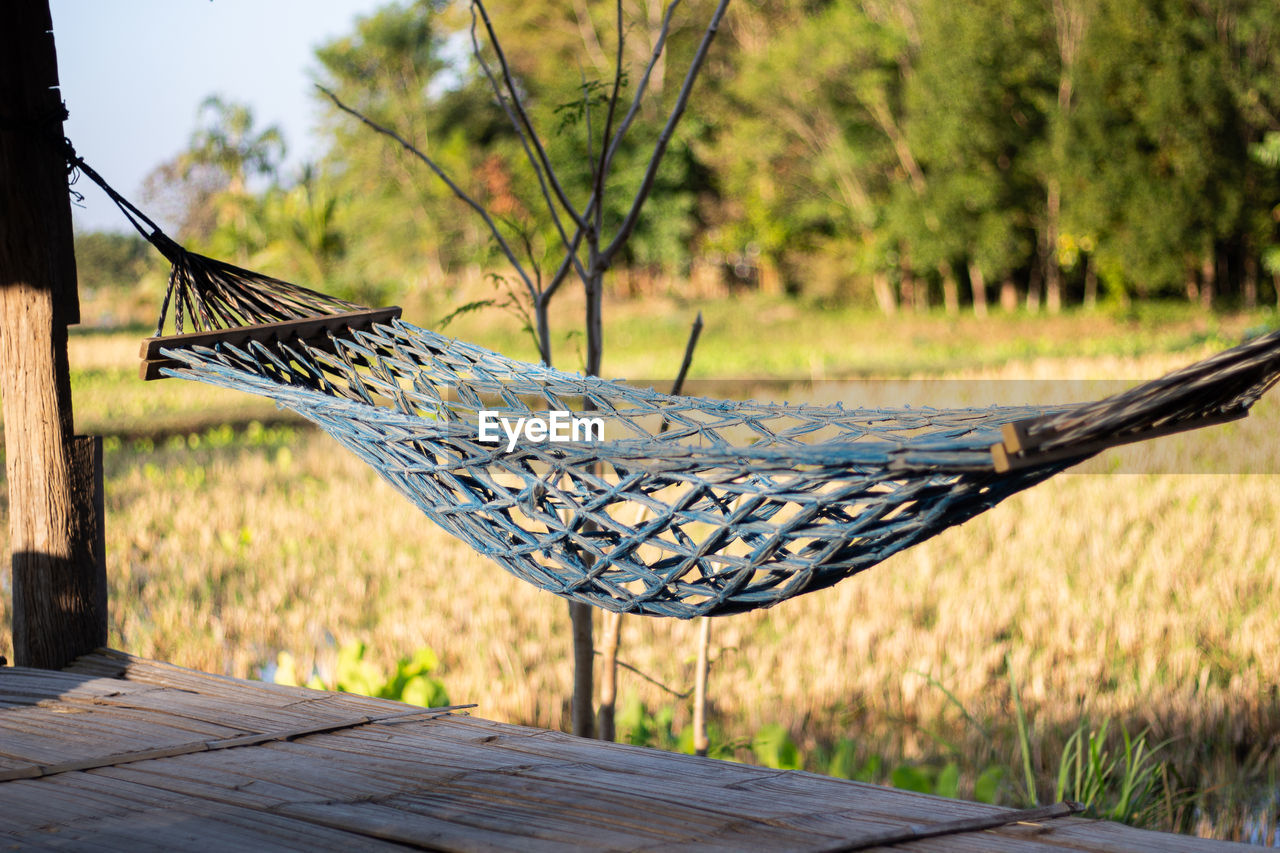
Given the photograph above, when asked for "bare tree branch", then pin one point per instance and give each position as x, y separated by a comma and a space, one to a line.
587, 31
524, 117
570, 259
586, 115
641, 87
646, 185
523, 136
449, 182
597, 191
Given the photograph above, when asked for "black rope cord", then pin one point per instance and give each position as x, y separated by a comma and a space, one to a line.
206, 293
213, 294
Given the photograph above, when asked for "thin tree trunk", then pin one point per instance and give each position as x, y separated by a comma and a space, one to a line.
1070, 22
1008, 295
611, 638
1035, 283
1090, 283
583, 669
978, 285
1250, 283
1208, 280
884, 293
907, 289
1052, 274
580, 615
921, 292
950, 290
701, 743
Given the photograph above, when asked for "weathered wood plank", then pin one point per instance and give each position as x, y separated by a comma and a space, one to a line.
91, 813
458, 783
312, 330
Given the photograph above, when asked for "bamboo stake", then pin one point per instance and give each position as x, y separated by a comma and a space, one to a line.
612, 622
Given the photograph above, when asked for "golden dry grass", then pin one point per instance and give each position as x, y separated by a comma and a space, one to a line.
1148, 598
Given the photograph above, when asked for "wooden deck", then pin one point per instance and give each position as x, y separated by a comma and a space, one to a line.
118, 753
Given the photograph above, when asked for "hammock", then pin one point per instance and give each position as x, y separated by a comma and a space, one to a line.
677, 506
674, 506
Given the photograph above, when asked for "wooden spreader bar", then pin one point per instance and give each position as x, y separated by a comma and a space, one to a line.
1021, 448
311, 330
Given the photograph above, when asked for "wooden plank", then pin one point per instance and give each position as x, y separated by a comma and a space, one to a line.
90, 812
1105, 835
604, 783
153, 729
259, 694
1016, 436
1008, 457
437, 796
454, 782
938, 829
442, 787
312, 330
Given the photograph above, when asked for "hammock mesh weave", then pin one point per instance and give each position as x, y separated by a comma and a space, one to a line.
687, 506
729, 507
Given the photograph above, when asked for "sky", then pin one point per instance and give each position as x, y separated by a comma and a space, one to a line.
134, 73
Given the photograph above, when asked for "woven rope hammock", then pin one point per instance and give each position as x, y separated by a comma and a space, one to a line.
685, 506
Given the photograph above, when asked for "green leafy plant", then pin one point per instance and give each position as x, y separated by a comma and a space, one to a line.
411, 681
944, 782
842, 763
638, 726
1128, 787
773, 747
1024, 737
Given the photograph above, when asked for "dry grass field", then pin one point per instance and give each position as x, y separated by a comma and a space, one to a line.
1142, 589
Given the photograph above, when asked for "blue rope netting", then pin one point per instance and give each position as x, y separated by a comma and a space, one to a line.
731, 507
686, 506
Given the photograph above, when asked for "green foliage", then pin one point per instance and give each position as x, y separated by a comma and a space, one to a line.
773, 747
842, 763
986, 788
1024, 738
1129, 787
944, 782
1124, 142
107, 260
411, 681
637, 725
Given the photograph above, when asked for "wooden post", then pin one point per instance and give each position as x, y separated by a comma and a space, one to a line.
54, 478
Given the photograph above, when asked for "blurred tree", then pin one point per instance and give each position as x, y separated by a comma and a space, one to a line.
976, 118
109, 260
401, 68
840, 149
1248, 34
208, 186
1157, 147
810, 174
